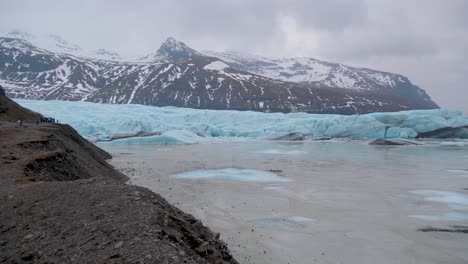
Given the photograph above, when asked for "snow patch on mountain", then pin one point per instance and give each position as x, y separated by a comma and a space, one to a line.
216, 66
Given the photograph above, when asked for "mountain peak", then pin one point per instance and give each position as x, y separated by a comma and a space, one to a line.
171, 50
174, 44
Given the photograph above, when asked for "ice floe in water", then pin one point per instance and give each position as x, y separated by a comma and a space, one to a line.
233, 174
290, 222
458, 171
455, 217
274, 187
453, 144
282, 152
449, 198
455, 201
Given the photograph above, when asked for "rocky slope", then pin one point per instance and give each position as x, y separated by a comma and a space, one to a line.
61, 202
208, 83
177, 75
321, 73
11, 111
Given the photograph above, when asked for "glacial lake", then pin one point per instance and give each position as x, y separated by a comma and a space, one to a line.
315, 201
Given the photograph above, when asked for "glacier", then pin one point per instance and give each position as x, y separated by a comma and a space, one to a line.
187, 126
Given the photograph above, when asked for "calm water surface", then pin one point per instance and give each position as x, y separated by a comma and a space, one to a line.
315, 202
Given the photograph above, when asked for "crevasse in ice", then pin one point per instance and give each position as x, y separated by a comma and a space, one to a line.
185, 125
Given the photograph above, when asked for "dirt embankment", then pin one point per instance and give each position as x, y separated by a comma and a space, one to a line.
61, 202
11, 111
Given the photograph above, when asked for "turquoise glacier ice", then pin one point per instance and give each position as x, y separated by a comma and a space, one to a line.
187, 126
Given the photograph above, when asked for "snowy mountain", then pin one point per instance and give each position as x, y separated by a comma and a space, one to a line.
171, 50
177, 75
57, 44
321, 73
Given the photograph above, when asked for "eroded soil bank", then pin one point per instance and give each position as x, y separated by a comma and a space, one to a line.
61, 202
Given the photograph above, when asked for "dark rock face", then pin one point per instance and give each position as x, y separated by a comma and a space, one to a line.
177, 75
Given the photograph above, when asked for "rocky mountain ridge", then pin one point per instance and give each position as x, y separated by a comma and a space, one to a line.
177, 75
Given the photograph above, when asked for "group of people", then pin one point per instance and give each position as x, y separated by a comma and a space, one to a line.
41, 120
48, 120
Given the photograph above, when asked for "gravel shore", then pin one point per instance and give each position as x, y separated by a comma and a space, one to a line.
61, 202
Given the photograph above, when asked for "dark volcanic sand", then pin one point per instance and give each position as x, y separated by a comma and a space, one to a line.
60, 202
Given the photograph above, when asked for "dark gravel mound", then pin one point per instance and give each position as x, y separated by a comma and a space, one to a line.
61, 202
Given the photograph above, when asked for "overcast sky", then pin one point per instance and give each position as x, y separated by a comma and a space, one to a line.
426, 40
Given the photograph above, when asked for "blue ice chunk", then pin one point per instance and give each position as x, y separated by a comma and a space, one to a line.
452, 217
443, 197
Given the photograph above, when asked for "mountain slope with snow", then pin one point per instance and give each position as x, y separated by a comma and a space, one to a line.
321, 73
310, 70
177, 75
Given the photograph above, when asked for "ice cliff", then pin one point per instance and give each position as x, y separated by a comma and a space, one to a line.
186, 126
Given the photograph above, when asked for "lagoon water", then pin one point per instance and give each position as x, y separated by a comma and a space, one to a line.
315, 202
336, 201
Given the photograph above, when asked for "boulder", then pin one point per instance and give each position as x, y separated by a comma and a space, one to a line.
392, 142
294, 136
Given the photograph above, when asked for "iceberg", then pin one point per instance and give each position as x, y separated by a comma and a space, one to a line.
102, 121
443, 197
